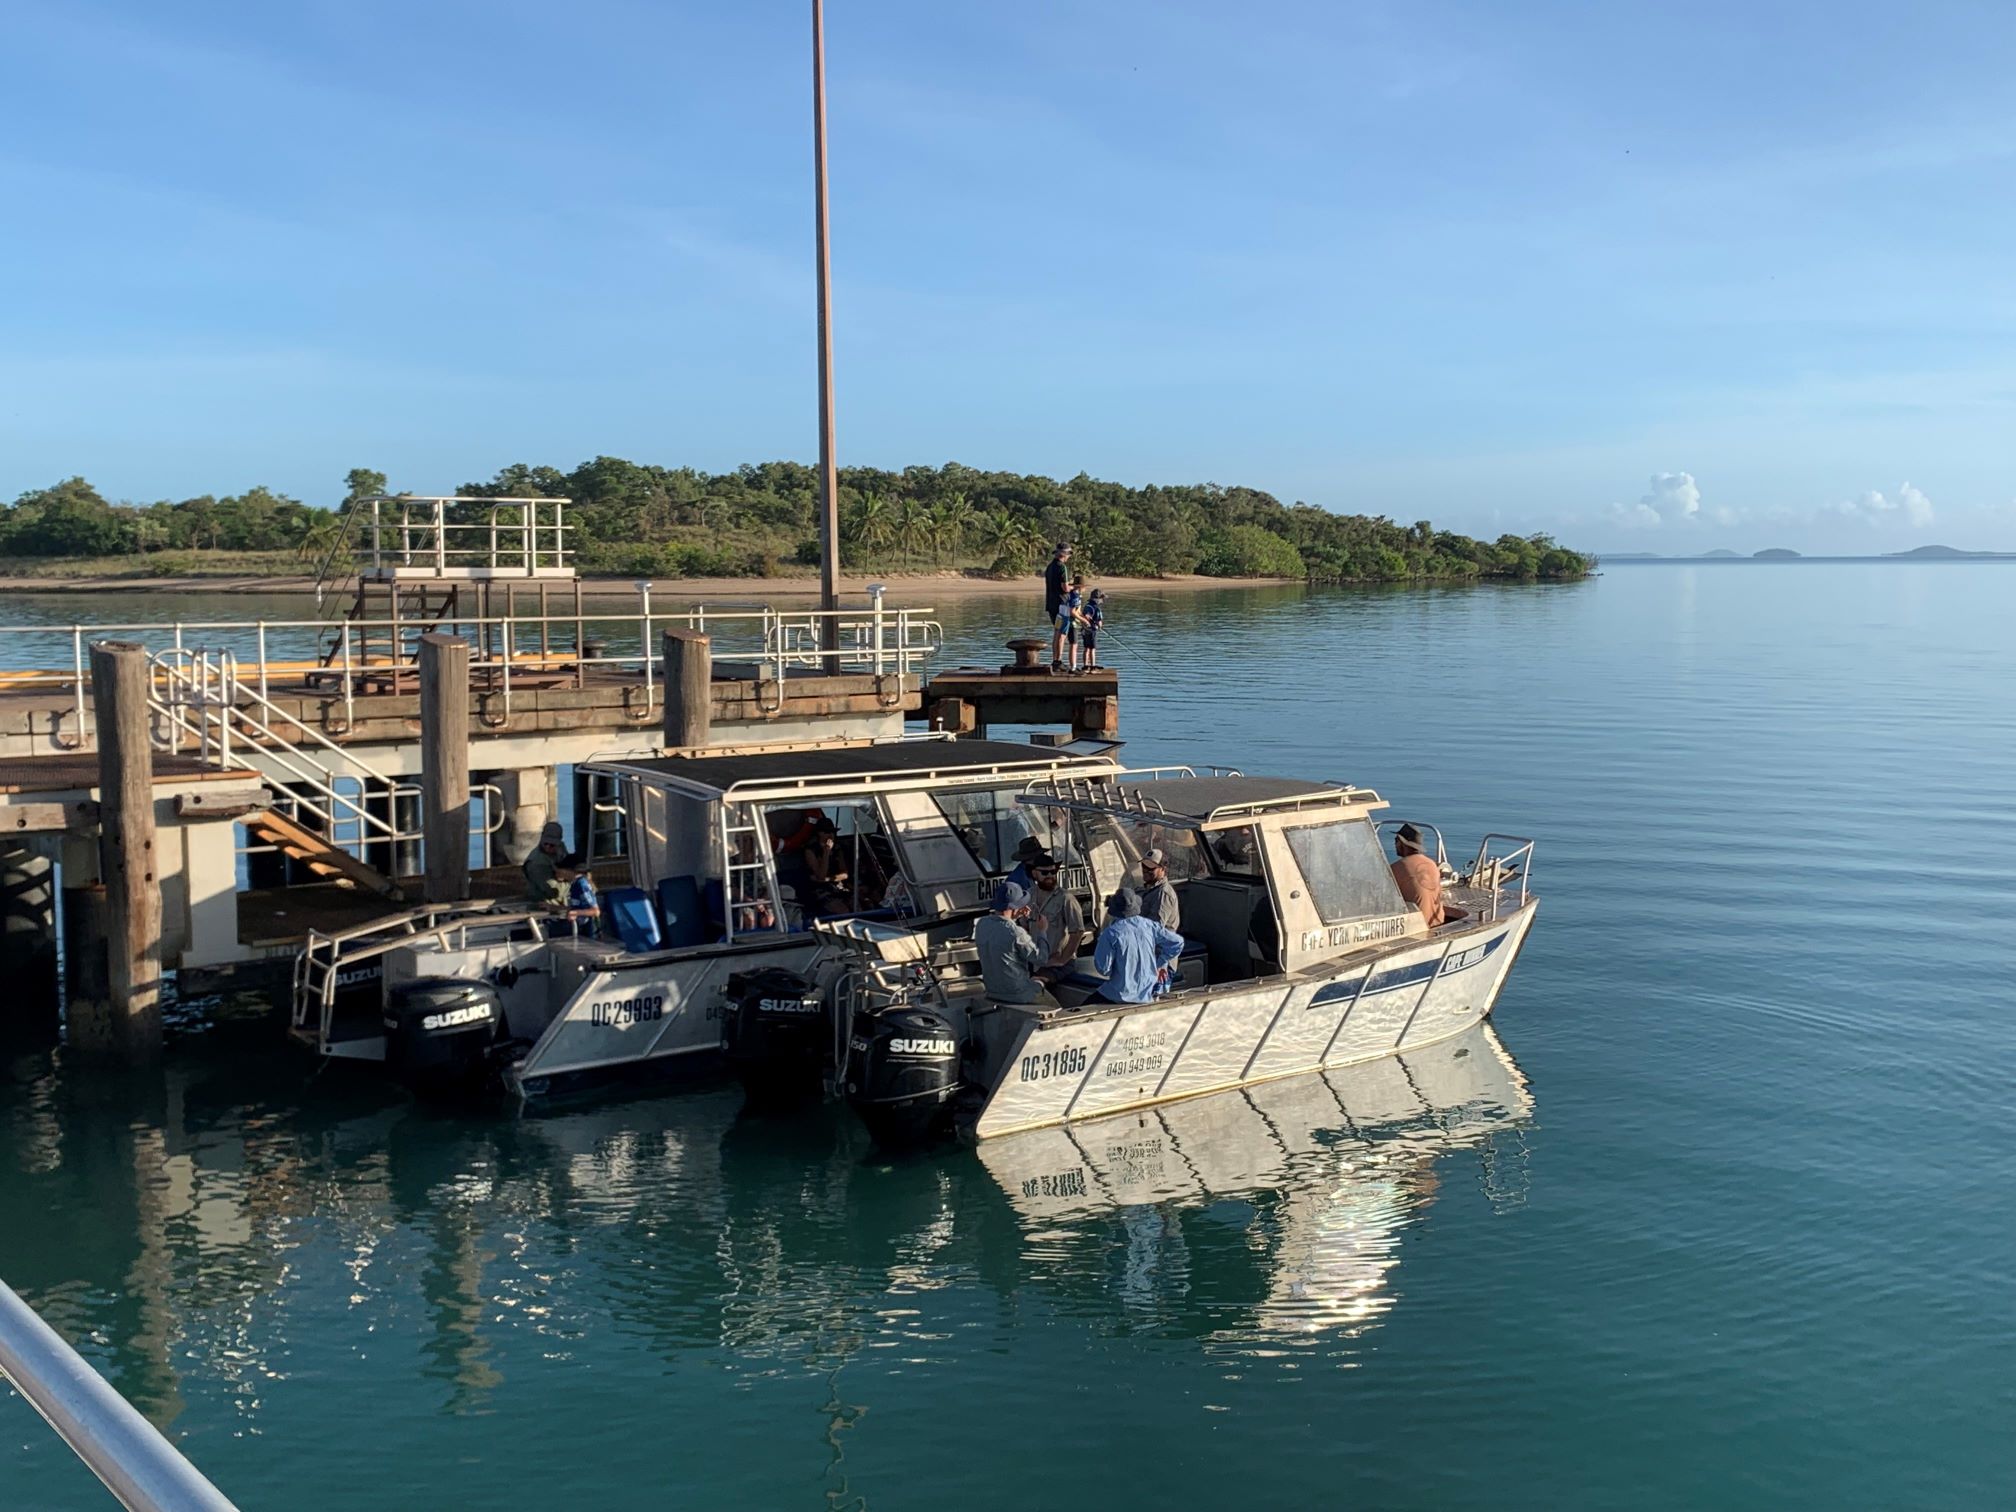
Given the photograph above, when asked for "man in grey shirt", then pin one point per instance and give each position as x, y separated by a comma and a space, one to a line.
1008, 956
1158, 898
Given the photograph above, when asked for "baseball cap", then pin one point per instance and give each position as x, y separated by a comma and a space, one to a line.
552, 831
1154, 857
1009, 895
1124, 904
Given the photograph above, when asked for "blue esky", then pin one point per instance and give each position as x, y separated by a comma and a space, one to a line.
1748, 270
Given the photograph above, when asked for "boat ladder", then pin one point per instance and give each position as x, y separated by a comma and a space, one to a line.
737, 824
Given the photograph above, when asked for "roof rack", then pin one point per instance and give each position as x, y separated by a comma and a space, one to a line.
1214, 802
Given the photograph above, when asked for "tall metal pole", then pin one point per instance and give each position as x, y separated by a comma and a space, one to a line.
829, 476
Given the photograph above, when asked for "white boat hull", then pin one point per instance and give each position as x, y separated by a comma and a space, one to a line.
1088, 1063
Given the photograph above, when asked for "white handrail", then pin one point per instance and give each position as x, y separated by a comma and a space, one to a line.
117, 1444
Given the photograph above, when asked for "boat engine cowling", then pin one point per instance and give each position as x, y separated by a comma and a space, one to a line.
439, 1034
775, 1034
902, 1070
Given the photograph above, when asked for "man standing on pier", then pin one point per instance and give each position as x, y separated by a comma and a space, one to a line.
1054, 584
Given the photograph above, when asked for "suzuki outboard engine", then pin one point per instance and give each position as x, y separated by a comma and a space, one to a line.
439, 1032
902, 1069
776, 1035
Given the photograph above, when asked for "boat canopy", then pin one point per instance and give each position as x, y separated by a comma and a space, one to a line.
755, 775
1219, 801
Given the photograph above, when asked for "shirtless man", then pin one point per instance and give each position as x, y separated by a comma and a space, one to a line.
1420, 879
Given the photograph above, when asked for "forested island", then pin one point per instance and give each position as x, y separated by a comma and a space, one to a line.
760, 521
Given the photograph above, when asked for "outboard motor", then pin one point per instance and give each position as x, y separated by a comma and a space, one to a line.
902, 1070
775, 1034
439, 1033
357, 999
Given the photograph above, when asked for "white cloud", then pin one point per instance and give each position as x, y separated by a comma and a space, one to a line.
1674, 499
1909, 504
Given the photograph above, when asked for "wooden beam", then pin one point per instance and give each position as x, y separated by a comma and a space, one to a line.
231, 803
37, 818
689, 689
444, 766
130, 1022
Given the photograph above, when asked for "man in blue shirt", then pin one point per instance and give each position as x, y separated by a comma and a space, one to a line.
1133, 952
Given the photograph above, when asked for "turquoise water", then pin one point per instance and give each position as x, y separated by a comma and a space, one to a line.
1741, 1239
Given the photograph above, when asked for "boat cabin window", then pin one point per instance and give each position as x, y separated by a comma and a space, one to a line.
991, 824
1345, 870
1236, 853
833, 858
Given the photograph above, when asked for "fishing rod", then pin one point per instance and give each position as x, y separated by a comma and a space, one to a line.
1106, 634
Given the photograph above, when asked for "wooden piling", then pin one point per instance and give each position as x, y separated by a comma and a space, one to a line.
127, 861
444, 766
689, 689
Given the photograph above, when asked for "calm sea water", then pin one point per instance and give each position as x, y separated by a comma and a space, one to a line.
1729, 1224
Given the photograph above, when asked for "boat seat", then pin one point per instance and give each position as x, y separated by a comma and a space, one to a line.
628, 915
683, 914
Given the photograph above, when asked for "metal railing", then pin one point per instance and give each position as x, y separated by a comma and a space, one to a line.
204, 704
319, 965
416, 535
1501, 861
508, 649
117, 1444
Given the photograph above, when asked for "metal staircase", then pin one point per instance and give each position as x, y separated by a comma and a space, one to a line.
331, 802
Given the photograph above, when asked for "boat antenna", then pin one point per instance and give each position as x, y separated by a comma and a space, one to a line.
829, 475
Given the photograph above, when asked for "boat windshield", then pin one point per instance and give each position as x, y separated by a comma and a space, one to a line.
992, 825
1345, 869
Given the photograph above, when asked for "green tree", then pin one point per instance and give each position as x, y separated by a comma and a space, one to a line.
913, 529
361, 483
1249, 551
65, 519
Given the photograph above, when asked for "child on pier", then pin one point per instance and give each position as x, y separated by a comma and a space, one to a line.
1071, 621
1090, 618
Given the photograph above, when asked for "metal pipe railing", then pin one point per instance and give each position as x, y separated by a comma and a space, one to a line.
871, 640
117, 1444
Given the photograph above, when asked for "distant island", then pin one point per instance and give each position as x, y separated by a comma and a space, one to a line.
1943, 552
1786, 554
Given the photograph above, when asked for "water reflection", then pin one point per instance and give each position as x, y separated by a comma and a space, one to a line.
205, 1249
1298, 1189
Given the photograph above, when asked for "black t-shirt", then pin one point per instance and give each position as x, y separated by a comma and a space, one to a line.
1053, 587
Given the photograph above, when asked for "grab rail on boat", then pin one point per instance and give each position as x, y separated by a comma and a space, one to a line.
319, 964
117, 1444
1498, 866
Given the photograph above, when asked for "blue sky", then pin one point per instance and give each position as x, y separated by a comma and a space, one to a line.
1653, 277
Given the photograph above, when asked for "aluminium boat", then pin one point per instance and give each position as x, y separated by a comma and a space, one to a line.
863, 979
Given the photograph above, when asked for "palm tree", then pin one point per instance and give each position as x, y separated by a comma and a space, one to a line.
873, 524
951, 519
912, 527
1000, 532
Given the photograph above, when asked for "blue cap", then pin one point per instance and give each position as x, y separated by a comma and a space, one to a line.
1124, 904
1009, 895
